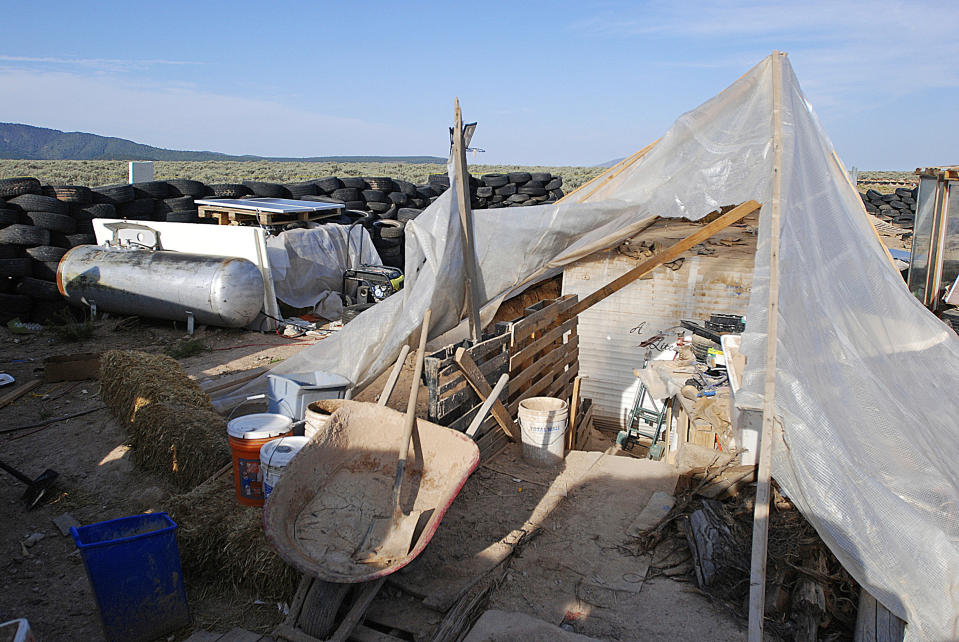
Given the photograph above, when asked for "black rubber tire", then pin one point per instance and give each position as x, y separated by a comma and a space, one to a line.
113, 194
425, 191
350, 312
152, 189
356, 205
8, 285
320, 198
11, 187
48, 312
382, 183
229, 190
495, 180
555, 183
389, 229
45, 270
26, 235
11, 251
354, 182
15, 306
39, 289
328, 184
69, 193
541, 177
518, 198
406, 214
375, 196
301, 189
73, 240
406, 187
398, 198
519, 177
531, 191
438, 179
505, 190
51, 221
46, 253
187, 187
177, 204
346, 194
182, 216
263, 189
39, 203
139, 210
98, 210
9, 217
380, 208
419, 203
556, 194
484, 192
16, 267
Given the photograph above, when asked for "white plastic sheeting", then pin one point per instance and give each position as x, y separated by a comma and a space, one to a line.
308, 264
865, 375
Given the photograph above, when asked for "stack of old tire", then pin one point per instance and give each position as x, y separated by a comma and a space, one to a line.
515, 189
898, 207
38, 225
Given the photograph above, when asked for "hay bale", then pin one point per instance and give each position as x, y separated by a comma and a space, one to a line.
131, 380
184, 444
222, 542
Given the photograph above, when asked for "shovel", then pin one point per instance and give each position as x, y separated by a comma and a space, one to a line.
395, 533
36, 488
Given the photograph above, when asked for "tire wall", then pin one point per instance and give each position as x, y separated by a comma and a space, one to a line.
39, 223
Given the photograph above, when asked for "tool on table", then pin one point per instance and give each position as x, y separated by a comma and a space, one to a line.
36, 488
397, 530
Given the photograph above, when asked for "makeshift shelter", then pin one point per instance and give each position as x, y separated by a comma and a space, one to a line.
861, 368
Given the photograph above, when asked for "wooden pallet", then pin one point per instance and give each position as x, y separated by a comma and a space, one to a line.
544, 352
229, 216
452, 401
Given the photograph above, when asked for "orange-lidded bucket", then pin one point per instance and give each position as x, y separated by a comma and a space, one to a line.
246, 435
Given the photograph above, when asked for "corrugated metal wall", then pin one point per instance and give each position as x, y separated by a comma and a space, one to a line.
608, 351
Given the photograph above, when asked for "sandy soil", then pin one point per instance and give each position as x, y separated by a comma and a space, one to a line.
46, 582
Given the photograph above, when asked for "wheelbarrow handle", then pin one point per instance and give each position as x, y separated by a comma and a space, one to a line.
411, 411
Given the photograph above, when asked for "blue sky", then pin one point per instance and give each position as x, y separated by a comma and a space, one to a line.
552, 83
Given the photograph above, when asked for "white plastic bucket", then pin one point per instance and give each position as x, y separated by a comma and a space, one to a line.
317, 419
274, 456
543, 422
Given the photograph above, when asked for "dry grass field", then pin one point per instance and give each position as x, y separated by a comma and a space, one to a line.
92, 173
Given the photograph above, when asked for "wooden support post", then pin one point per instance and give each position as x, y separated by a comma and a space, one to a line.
757, 571
466, 222
593, 185
667, 255
476, 379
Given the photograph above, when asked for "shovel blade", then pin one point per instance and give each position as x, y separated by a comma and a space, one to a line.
395, 537
37, 489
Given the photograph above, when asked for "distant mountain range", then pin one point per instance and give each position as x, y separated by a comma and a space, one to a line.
39, 143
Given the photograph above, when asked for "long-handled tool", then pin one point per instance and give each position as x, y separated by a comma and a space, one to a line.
36, 488
397, 530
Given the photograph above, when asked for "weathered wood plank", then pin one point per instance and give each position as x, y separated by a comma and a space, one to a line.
483, 390
522, 329
530, 351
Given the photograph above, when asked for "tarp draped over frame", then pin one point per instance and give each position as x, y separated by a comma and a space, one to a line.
865, 373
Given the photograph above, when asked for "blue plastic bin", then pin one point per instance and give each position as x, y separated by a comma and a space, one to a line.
291, 394
134, 567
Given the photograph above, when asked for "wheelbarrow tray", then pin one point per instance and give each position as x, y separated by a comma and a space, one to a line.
320, 510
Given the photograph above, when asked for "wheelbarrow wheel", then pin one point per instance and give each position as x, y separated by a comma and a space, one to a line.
322, 603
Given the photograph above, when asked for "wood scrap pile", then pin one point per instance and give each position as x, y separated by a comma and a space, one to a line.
706, 538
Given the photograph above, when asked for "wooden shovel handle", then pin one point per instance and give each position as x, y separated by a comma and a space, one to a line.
411, 410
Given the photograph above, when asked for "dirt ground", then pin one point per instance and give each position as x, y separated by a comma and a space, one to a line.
45, 581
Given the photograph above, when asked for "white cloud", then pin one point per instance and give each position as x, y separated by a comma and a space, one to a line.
182, 117
106, 64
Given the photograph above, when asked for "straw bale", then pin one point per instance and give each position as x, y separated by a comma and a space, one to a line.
132, 380
182, 443
222, 542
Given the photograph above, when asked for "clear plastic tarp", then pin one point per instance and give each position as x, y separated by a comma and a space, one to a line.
866, 376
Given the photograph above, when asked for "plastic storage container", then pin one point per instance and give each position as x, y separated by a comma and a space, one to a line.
134, 568
291, 394
247, 434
